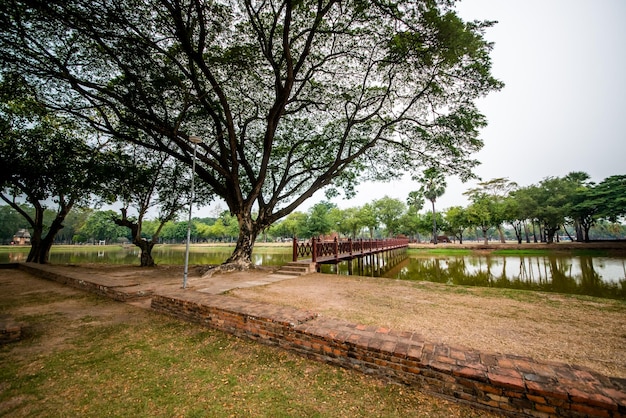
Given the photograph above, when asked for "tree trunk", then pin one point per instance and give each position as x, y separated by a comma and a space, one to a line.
37, 235
550, 232
35, 247
579, 232
526, 232
486, 239
434, 224
241, 258
501, 234
40, 246
145, 246
586, 232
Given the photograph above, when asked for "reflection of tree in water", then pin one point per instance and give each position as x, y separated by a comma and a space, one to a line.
549, 274
429, 269
562, 282
591, 282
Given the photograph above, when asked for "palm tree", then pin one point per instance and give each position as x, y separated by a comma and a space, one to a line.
433, 186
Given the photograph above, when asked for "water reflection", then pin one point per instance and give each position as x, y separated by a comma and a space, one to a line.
593, 276
585, 275
375, 265
171, 255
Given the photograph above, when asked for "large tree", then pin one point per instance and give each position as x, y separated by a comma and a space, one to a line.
610, 197
149, 182
497, 189
458, 221
389, 211
46, 162
289, 97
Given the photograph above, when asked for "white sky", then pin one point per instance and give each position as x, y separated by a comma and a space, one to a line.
563, 107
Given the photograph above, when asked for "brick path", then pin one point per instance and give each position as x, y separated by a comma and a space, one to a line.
509, 384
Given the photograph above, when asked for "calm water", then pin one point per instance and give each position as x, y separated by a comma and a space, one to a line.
585, 275
162, 255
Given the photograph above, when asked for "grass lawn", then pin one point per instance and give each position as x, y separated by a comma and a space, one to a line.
83, 355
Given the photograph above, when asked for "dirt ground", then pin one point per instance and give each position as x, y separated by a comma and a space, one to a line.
585, 331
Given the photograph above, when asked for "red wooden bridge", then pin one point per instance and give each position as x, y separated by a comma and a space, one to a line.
332, 252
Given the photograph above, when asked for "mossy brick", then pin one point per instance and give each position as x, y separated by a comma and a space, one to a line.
488, 388
401, 350
547, 391
388, 346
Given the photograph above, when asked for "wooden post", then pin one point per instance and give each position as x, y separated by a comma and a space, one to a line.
336, 251
314, 250
295, 250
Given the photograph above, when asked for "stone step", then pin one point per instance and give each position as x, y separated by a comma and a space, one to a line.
295, 269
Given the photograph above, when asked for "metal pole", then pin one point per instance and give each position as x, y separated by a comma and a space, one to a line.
196, 140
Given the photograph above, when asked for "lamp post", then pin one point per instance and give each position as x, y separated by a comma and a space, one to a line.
195, 140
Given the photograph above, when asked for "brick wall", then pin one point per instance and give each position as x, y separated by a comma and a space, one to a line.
510, 385
45, 272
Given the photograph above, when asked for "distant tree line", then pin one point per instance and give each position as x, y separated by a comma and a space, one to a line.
570, 207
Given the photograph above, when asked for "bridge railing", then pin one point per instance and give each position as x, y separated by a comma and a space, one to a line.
316, 248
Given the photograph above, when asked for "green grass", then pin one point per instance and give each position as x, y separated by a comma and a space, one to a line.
88, 363
590, 253
521, 252
582, 252
439, 251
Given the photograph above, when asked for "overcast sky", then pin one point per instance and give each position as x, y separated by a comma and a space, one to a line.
563, 107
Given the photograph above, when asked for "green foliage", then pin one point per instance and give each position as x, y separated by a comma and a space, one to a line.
290, 98
100, 225
389, 212
47, 161
319, 222
11, 221
458, 221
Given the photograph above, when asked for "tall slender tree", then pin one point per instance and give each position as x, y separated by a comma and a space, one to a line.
433, 187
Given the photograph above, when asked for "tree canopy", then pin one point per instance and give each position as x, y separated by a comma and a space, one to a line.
289, 97
45, 161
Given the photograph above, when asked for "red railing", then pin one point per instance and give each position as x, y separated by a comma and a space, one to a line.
317, 249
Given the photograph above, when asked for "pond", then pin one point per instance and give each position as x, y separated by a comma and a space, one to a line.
163, 254
584, 275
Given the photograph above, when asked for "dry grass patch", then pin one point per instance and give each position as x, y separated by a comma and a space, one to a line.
578, 330
86, 356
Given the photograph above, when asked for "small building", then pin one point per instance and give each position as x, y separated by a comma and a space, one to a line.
21, 237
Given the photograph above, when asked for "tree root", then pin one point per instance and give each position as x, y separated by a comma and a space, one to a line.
227, 268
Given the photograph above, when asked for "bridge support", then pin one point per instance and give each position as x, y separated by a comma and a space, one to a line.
336, 251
